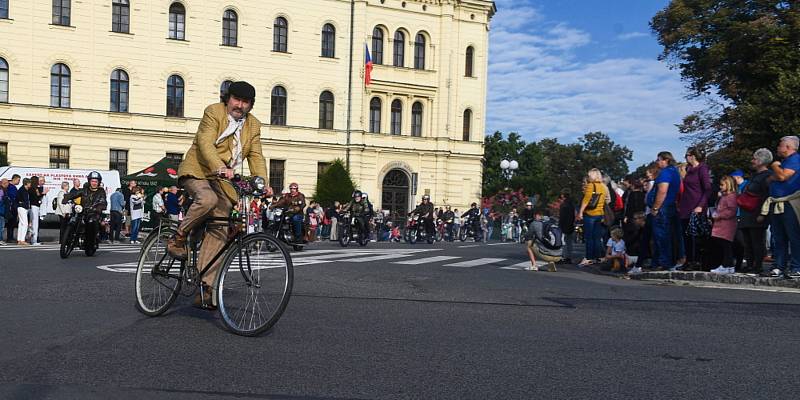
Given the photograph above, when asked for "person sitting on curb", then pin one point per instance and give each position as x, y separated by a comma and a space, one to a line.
616, 257
545, 241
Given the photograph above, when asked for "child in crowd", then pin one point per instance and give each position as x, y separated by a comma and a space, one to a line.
724, 228
394, 236
634, 237
615, 251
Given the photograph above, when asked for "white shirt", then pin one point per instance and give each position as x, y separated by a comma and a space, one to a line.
234, 128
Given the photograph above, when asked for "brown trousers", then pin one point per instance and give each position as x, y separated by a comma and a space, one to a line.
209, 201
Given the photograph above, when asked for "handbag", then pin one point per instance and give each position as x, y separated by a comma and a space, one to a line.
699, 225
748, 201
608, 215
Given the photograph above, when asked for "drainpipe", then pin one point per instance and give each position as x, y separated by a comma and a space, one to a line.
350, 83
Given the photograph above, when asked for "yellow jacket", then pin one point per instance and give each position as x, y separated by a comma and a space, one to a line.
600, 189
205, 157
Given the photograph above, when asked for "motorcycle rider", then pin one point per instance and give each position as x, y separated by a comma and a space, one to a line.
473, 216
361, 210
93, 199
527, 215
426, 211
448, 217
295, 202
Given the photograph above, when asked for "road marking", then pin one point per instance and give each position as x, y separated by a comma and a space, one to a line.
468, 246
375, 258
501, 244
475, 263
524, 265
426, 260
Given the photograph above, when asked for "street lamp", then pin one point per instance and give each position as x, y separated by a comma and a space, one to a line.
508, 168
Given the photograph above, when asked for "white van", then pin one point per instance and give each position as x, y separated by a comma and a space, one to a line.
53, 179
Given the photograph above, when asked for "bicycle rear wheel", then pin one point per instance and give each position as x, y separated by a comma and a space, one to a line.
254, 284
158, 276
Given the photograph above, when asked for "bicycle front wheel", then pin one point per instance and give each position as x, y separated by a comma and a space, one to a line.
254, 284
158, 276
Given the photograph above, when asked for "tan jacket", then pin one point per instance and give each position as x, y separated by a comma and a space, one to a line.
205, 157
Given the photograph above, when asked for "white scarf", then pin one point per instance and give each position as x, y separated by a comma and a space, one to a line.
234, 128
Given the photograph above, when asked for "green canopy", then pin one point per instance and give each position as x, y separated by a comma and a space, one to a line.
164, 173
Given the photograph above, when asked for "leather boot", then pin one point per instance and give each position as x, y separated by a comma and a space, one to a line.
204, 298
176, 247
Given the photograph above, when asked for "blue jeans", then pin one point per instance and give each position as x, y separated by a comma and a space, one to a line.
297, 224
592, 232
677, 237
490, 228
135, 223
786, 232
2, 226
663, 237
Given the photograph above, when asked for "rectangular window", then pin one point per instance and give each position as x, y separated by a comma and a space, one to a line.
3, 154
4, 9
276, 171
120, 16
59, 156
118, 160
177, 157
61, 11
322, 167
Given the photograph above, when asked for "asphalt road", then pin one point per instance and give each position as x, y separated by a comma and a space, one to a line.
421, 322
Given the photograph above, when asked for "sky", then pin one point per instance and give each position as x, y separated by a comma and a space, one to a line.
562, 68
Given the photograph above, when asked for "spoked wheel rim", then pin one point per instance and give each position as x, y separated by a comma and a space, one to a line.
344, 236
156, 290
67, 242
254, 285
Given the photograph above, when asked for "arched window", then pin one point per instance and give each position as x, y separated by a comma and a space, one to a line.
175, 90
278, 106
223, 89
377, 46
229, 28
328, 41
397, 117
419, 51
280, 35
416, 119
467, 124
375, 115
119, 91
121, 16
61, 12
399, 49
177, 21
469, 61
326, 110
59, 85
3, 81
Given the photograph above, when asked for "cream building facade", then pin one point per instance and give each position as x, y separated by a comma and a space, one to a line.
119, 84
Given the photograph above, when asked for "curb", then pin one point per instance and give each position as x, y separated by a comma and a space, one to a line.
733, 279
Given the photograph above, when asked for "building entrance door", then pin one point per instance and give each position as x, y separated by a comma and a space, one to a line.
395, 193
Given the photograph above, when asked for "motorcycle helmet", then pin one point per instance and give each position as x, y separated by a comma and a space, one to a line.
426, 197
364, 195
294, 185
529, 204
474, 205
357, 193
94, 175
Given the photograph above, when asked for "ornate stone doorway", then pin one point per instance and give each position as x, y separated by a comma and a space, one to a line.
395, 192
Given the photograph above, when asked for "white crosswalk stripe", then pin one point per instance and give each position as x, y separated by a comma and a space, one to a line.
476, 262
523, 265
427, 260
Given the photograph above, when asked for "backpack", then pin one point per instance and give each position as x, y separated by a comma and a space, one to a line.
552, 237
55, 203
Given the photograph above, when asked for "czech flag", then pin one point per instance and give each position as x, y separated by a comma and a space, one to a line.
367, 67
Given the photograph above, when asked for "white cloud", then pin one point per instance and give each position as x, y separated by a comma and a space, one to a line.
538, 88
632, 35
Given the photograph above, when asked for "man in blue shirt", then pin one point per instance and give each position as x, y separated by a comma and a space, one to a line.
172, 203
11, 217
117, 208
664, 210
785, 226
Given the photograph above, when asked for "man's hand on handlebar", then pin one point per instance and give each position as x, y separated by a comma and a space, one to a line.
226, 172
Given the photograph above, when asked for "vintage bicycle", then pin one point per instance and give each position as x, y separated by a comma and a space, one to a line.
255, 277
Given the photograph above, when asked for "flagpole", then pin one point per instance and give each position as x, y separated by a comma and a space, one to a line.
350, 83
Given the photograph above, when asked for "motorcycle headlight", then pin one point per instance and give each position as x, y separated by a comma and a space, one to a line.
78, 208
279, 212
259, 183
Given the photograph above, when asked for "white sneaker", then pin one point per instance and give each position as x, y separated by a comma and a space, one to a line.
533, 268
635, 270
2, 243
37, 244
776, 273
723, 270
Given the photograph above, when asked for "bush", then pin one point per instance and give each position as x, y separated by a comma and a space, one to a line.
335, 184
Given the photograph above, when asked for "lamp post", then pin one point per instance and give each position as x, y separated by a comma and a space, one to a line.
508, 168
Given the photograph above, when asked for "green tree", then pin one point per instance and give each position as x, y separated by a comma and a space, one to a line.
741, 55
335, 184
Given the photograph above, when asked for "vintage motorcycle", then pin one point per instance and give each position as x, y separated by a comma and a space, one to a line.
81, 232
352, 230
415, 230
466, 230
280, 226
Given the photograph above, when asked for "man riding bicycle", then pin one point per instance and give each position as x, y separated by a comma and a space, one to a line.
227, 135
